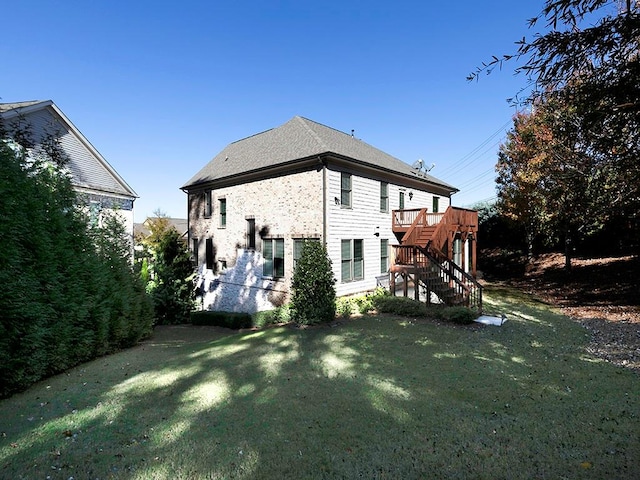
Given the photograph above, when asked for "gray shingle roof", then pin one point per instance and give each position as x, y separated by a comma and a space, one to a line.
5, 107
299, 138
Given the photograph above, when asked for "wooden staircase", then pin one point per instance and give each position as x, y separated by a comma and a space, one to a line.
425, 257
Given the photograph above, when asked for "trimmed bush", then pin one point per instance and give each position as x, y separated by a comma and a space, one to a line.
344, 307
271, 317
461, 315
314, 293
400, 306
412, 308
234, 320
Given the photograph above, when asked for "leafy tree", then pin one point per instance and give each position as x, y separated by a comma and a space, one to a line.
587, 62
125, 309
548, 182
579, 184
521, 171
169, 271
314, 294
497, 230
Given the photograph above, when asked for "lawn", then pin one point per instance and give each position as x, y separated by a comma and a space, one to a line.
372, 397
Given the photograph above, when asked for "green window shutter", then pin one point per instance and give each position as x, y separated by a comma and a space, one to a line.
297, 250
223, 212
358, 260
278, 258
209, 253
384, 256
194, 249
267, 254
436, 204
208, 207
384, 197
345, 257
251, 233
401, 200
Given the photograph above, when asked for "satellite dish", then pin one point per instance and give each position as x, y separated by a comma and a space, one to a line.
418, 164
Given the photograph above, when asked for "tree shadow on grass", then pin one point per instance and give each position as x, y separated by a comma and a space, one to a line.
377, 397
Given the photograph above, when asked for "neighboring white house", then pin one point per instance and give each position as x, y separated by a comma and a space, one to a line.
252, 206
97, 183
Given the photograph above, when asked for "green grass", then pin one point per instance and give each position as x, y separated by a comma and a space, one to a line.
374, 397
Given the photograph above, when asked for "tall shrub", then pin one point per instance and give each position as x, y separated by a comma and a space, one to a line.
314, 293
169, 271
126, 311
66, 296
45, 271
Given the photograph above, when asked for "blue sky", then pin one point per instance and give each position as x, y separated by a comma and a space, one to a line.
159, 88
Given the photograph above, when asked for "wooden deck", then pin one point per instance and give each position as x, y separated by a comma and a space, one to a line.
425, 256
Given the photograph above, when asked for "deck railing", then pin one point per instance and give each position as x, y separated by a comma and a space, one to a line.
404, 218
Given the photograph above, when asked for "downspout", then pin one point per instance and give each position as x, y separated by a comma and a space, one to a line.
324, 202
188, 218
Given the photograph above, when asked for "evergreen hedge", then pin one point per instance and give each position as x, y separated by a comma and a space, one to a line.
68, 292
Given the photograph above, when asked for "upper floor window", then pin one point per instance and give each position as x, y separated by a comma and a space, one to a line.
384, 197
223, 212
345, 190
208, 206
401, 200
194, 204
273, 254
436, 205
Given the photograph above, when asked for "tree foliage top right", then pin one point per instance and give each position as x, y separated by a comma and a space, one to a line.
588, 54
583, 68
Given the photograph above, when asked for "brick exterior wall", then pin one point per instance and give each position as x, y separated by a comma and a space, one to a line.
287, 207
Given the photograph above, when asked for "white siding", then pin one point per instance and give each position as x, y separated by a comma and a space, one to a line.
363, 220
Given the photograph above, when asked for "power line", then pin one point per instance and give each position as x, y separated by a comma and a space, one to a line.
471, 156
478, 178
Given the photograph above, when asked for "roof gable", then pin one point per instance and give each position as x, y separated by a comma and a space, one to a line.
298, 139
87, 166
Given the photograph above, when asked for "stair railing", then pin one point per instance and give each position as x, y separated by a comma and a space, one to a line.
461, 283
450, 276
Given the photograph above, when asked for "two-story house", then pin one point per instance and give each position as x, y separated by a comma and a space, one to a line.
251, 208
41, 125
